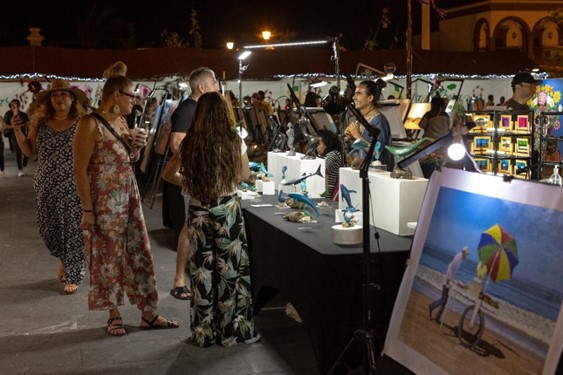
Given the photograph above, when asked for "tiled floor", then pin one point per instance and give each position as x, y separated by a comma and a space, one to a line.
44, 331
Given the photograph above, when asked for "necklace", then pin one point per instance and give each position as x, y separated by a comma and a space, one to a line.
60, 118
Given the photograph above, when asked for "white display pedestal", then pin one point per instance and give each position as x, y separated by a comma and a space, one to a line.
394, 202
296, 167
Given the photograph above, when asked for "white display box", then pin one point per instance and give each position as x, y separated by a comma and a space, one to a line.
246, 195
296, 167
266, 188
393, 202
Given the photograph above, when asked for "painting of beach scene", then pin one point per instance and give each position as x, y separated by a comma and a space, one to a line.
483, 292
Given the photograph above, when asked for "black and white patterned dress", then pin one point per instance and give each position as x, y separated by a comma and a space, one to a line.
58, 204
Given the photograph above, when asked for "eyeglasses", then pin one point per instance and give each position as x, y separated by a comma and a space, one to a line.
132, 96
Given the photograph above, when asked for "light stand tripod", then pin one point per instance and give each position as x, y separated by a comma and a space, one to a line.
365, 335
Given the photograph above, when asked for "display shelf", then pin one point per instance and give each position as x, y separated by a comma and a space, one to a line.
550, 142
502, 141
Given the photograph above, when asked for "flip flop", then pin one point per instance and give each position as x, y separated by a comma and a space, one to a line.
152, 325
179, 291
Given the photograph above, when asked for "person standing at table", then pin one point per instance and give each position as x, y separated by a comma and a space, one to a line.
366, 100
51, 131
201, 80
116, 238
220, 265
21, 159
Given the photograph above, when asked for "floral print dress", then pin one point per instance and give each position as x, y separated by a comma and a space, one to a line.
118, 248
220, 271
58, 205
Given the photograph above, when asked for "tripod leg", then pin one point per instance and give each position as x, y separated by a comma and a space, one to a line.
341, 356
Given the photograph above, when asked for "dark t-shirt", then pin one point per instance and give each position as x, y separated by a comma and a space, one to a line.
8, 120
511, 103
182, 116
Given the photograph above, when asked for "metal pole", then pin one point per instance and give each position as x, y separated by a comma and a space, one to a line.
409, 49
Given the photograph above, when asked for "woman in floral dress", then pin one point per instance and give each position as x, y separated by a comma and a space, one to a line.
52, 127
116, 238
214, 161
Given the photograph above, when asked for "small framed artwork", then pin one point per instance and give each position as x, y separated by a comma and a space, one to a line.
505, 123
519, 165
522, 146
481, 144
504, 166
505, 145
482, 122
522, 124
484, 164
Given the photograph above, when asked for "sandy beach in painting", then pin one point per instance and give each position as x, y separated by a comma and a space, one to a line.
440, 344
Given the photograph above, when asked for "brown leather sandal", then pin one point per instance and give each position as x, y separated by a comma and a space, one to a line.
115, 326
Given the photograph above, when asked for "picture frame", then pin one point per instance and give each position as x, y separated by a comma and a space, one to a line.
505, 123
481, 144
504, 166
482, 123
522, 124
483, 164
520, 164
520, 330
522, 146
505, 145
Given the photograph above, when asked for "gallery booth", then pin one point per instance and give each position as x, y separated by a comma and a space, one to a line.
412, 225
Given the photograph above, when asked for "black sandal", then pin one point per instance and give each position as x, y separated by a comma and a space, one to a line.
152, 325
112, 327
179, 291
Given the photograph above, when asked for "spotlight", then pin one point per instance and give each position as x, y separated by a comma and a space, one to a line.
456, 151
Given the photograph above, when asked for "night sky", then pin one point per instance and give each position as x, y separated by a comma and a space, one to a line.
95, 24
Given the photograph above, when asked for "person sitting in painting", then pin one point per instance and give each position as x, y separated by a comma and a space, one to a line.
449, 279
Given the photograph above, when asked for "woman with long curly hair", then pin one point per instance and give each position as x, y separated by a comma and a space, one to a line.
51, 132
213, 162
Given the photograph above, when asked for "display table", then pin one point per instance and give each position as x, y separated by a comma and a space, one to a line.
322, 280
296, 167
393, 202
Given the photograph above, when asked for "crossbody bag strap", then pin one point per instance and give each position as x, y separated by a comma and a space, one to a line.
117, 136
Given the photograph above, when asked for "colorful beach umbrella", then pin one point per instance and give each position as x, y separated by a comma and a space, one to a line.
497, 250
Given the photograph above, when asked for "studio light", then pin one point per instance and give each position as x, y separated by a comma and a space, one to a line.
244, 55
456, 151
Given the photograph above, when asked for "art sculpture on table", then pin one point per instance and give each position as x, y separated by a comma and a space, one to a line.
303, 198
348, 216
290, 139
303, 177
311, 149
345, 194
399, 153
360, 144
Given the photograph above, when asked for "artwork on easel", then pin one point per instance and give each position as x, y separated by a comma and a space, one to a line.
165, 128
481, 293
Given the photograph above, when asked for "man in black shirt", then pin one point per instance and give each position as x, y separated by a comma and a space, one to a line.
523, 88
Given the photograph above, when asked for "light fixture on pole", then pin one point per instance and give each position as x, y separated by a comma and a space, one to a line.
230, 45
241, 69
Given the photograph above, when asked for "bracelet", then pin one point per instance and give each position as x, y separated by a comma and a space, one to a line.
85, 210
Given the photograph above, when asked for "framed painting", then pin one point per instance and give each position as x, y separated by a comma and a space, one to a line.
505, 123
480, 294
522, 124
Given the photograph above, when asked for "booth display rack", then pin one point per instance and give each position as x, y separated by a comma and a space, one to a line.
502, 142
549, 143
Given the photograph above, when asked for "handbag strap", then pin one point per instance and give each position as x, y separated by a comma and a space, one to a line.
117, 136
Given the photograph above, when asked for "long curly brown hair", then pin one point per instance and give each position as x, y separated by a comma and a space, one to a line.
211, 151
46, 111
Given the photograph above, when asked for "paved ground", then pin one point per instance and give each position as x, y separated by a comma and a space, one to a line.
44, 331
